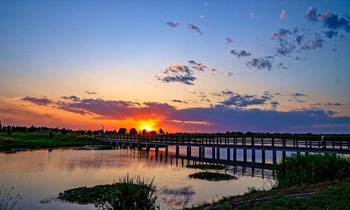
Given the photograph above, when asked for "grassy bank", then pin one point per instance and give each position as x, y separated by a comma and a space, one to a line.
37, 140
325, 175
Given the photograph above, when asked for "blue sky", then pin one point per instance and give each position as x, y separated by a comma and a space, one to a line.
193, 66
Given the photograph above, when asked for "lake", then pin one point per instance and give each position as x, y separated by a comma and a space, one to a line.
40, 175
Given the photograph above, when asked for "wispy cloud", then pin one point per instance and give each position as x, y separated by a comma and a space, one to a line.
264, 63
38, 101
240, 53
194, 28
172, 24
184, 74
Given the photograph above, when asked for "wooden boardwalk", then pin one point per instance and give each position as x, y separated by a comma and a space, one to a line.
231, 144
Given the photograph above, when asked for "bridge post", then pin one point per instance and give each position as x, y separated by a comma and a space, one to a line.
228, 153
189, 151
218, 153
157, 149
253, 155
213, 153
263, 156
274, 157
245, 155
177, 151
283, 154
234, 153
166, 151
203, 152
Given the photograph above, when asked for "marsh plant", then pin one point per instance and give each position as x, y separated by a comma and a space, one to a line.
131, 194
7, 200
300, 169
125, 194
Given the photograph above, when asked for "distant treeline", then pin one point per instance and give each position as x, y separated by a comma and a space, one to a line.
9, 129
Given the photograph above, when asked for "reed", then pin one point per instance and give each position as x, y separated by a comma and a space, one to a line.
7, 200
129, 193
300, 169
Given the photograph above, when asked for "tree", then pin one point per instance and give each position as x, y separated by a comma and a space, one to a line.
64, 131
161, 131
9, 131
122, 131
133, 131
50, 135
144, 132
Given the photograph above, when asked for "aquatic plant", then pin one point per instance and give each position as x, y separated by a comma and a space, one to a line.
211, 176
300, 169
126, 194
7, 200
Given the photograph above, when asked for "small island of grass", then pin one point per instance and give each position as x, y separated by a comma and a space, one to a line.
212, 176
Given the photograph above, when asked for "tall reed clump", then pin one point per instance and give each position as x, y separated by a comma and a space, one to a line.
130, 194
300, 169
7, 200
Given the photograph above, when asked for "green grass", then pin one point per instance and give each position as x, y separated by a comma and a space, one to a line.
325, 173
128, 193
331, 198
41, 140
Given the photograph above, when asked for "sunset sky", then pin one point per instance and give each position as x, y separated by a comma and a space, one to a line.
183, 66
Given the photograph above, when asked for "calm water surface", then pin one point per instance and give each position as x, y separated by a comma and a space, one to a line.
40, 175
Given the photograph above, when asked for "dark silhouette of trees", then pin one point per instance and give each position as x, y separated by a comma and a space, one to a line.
64, 131
50, 135
9, 131
161, 131
122, 131
133, 131
144, 132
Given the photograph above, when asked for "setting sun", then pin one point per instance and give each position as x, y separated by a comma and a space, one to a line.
146, 127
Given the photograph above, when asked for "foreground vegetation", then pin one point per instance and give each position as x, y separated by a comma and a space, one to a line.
42, 140
127, 193
327, 175
8, 201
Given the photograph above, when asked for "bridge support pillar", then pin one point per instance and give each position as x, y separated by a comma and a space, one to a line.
228, 153
166, 151
234, 153
213, 153
147, 147
284, 154
177, 151
253, 155
263, 156
245, 155
157, 149
218, 153
189, 151
274, 157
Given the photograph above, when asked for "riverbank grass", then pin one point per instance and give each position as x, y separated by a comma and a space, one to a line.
41, 140
325, 175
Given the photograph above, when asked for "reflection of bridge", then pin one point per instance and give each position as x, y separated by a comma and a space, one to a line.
233, 147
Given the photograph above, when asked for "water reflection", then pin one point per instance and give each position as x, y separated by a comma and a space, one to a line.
39, 174
177, 197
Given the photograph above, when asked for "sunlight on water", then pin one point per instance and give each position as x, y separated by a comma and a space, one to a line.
40, 175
